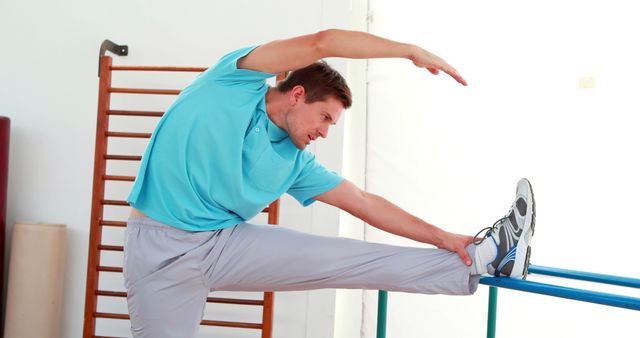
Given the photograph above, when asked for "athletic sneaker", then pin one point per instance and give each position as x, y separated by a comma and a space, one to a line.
512, 235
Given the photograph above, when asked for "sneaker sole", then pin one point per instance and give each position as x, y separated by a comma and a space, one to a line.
523, 250
525, 272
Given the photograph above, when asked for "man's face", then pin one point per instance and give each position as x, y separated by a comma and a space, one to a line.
305, 122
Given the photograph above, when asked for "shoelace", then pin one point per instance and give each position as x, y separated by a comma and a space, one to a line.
489, 230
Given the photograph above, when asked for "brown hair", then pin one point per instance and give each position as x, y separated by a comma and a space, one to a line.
319, 81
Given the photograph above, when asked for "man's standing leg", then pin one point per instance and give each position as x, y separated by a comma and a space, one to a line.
166, 296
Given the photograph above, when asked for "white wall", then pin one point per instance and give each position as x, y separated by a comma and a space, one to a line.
49, 84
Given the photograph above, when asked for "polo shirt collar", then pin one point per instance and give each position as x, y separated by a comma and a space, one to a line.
275, 133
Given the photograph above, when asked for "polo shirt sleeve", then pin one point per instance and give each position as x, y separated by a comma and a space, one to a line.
314, 180
226, 70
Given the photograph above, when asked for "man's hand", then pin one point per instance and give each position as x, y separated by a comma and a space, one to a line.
424, 59
456, 243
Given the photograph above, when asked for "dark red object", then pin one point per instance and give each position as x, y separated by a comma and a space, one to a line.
5, 124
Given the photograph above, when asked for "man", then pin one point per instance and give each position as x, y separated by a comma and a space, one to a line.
230, 144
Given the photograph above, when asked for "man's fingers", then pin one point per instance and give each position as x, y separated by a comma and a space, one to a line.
464, 256
459, 78
468, 241
452, 72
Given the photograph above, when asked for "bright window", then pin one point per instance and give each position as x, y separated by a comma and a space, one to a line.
552, 96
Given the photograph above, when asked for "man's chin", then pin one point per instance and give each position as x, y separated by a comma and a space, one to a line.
300, 145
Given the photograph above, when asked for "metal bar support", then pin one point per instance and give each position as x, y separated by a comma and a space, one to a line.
381, 331
108, 45
491, 316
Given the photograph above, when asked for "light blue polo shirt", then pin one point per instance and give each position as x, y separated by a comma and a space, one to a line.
215, 158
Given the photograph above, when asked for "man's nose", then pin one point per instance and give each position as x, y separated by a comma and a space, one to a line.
323, 131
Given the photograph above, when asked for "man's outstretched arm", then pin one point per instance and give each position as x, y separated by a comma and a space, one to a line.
387, 216
294, 53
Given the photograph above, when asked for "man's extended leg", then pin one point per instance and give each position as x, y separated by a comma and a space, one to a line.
169, 272
271, 258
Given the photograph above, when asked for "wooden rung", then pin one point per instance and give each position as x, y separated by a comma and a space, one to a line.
110, 247
255, 302
115, 202
135, 113
235, 301
110, 315
204, 322
144, 91
109, 268
231, 324
119, 178
111, 293
113, 223
127, 134
160, 68
123, 157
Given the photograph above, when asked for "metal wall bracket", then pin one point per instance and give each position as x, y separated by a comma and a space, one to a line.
108, 45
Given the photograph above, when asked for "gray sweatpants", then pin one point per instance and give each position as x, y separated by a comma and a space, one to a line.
169, 272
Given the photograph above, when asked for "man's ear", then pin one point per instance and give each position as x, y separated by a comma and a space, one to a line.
297, 94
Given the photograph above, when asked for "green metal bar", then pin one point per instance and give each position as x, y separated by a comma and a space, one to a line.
382, 314
491, 317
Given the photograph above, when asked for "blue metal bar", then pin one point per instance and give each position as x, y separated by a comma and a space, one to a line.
382, 314
585, 276
564, 292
